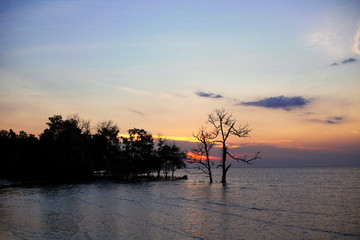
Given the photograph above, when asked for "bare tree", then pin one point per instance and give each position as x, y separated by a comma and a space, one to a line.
202, 151
225, 126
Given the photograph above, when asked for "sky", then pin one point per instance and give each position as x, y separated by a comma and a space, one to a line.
289, 69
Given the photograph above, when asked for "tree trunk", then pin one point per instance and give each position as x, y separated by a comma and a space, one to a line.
224, 170
223, 178
208, 164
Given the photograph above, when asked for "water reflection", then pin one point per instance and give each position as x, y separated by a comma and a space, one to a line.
308, 205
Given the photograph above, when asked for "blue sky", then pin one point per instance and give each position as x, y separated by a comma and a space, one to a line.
159, 65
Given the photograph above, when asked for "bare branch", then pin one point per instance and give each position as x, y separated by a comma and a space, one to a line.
202, 151
205, 137
225, 125
227, 168
241, 132
244, 158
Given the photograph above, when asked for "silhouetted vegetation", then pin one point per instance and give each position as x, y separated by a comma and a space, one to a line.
224, 126
201, 154
67, 150
169, 158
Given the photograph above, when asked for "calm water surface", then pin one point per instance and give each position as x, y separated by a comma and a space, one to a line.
268, 203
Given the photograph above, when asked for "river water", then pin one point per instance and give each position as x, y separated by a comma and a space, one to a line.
257, 203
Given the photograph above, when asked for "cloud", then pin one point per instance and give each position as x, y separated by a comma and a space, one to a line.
330, 120
338, 118
286, 103
135, 91
334, 120
349, 60
345, 61
356, 46
137, 112
150, 94
208, 95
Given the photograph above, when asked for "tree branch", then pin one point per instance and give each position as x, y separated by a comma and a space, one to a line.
227, 168
244, 159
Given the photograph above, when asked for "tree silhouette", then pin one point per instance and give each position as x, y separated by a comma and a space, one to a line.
138, 150
170, 157
160, 156
106, 145
19, 154
177, 160
66, 151
64, 148
201, 154
225, 126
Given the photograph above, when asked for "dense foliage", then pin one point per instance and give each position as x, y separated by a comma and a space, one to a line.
67, 150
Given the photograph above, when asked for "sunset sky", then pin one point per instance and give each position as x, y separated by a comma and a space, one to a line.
290, 69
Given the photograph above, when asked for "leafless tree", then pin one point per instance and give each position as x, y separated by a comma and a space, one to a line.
201, 154
225, 126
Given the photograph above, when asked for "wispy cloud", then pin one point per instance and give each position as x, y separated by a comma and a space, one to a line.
330, 120
334, 120
137, 112
345, 61
135, 91
282, 102
150, 94
338, 118
356, 46
209, 95
349, 60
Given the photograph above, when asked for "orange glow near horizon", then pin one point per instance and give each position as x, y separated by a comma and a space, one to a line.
198, 156
184, 139
299, 143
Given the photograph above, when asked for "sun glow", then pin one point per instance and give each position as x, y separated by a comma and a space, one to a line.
183, 139
198, 156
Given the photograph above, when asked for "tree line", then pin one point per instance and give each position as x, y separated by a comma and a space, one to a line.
67, 150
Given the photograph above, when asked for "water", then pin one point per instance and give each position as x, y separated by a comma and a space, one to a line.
268, 203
